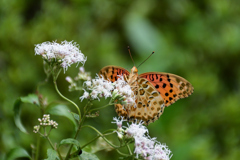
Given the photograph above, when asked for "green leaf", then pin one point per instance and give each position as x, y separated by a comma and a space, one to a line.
73, 142
88, 156
52, 155
76, 116
70, 141
17, 153
61, 110
32, 99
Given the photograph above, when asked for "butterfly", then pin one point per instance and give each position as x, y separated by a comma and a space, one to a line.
153, 91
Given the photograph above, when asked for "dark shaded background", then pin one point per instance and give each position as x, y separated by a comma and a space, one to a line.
198, 40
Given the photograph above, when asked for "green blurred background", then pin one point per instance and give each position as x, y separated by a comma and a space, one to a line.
198, 40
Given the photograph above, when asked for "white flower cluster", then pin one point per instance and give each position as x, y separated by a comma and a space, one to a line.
82, 76
45, 121
99, 87
123, 91
146, 147
64, 54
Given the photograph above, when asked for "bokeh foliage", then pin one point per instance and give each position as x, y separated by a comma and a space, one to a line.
198, 40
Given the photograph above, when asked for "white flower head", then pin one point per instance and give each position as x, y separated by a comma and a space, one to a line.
123, 90
82, 75
136, 129
45, 121
98, 88
65, 53
85, 95
146, 147
120, 91
119, 121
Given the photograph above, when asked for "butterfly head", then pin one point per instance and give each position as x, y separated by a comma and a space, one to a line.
134, 70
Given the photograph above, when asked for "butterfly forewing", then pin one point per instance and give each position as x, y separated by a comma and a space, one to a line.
171, 87
112, 72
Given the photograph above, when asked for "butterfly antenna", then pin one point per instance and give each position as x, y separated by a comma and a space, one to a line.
146, 59
130, 55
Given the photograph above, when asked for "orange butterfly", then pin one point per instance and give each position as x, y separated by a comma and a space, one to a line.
153, 90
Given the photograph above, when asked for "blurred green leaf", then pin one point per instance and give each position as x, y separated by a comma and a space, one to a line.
17, 153
61, 110
76, 116
52, 155
73, 142
88, 156
70, 141
32, 99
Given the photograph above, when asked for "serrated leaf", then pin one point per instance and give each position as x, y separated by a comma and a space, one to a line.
52, 155
61, 110
88, 156
32, 99
76, 116
17, 153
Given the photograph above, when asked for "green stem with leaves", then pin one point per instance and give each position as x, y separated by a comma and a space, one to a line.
87, 106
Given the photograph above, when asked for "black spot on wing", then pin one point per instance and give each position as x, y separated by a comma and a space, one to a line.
164, 85
151, 77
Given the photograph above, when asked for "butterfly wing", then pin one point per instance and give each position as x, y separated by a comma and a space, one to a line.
171, 87
112, 72
149, 104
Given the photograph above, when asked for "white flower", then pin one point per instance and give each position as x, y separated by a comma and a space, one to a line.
136, 130
118, 121
85, 95
69, 79
98, 88
82, 75
124, 90
145, 147
81, 69
88, 83
36, 128
45, 121
65, 53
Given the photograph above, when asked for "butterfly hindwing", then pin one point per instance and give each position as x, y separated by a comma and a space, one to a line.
112, 72
171, 87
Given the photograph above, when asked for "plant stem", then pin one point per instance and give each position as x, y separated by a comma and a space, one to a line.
114, 146
95, 138
100, 107
129, 149
55, 84
38, 147
79, 127
50, 143
123, 154
59, 154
